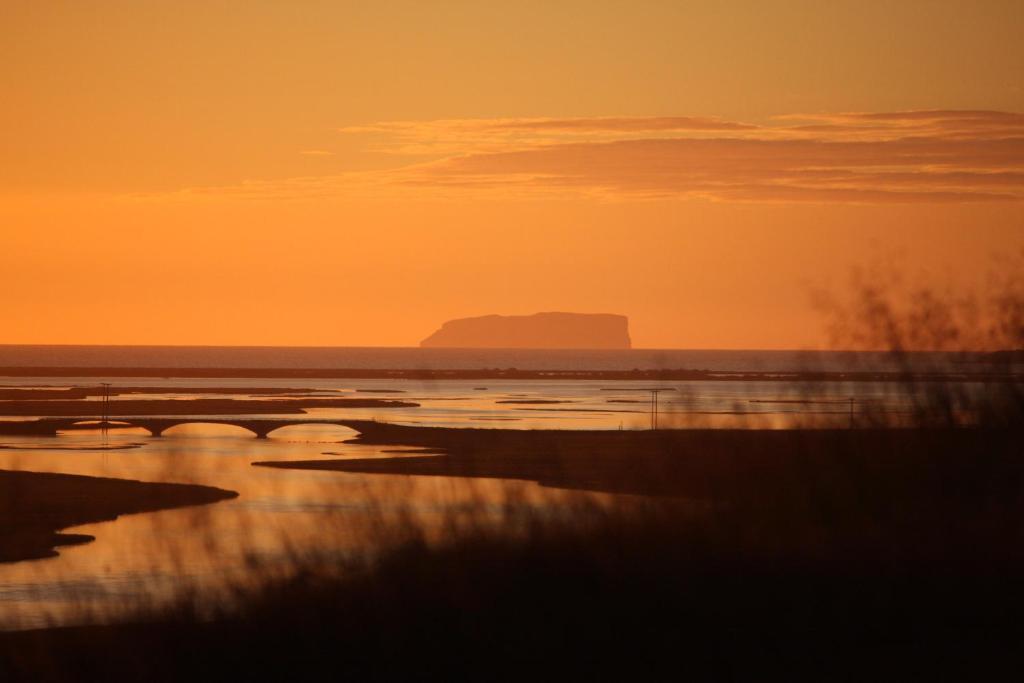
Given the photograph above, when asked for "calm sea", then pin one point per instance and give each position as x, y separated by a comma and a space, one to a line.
396, 358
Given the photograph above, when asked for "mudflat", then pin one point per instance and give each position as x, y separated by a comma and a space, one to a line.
35, 506
742, 464
199, 406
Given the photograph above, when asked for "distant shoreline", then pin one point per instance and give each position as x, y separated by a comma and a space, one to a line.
667, 374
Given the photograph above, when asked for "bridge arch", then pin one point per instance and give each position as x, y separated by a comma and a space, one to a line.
163, 426
338, 427
62, 424
156, 426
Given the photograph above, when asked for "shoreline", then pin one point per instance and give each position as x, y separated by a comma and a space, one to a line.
665, 374
190, 406
714, 464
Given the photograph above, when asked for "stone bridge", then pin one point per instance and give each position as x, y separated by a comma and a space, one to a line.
156, 426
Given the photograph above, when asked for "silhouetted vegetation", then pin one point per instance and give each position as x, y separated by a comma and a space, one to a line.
809, 578
925, 331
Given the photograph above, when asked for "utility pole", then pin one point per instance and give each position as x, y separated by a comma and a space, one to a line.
654, 406
105, 418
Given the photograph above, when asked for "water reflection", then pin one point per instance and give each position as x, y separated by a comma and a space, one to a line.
278, 514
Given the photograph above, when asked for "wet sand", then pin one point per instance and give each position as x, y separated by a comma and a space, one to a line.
35, 506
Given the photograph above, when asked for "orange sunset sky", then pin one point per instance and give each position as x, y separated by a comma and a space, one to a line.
355, 173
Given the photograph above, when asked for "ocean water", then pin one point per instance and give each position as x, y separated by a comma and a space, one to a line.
462, 359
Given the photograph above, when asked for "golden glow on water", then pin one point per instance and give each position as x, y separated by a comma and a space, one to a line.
279, 514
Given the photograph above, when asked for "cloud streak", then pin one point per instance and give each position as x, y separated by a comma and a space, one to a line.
862, 157
464, 136
912, 169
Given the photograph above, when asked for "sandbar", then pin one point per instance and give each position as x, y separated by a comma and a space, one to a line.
35, 506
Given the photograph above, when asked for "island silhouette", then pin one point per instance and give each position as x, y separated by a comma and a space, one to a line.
538, 331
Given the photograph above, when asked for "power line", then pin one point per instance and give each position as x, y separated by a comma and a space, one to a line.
654, 405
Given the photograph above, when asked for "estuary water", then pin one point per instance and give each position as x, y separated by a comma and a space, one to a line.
282, 514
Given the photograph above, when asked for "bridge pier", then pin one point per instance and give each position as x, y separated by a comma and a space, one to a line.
259, 427
155, 430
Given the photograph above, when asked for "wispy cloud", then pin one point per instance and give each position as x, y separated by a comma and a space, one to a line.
909, 169
914, 156
463, 136
964, 124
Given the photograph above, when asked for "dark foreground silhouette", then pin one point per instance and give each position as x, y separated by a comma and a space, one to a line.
641, 597
34, 506
827, 555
